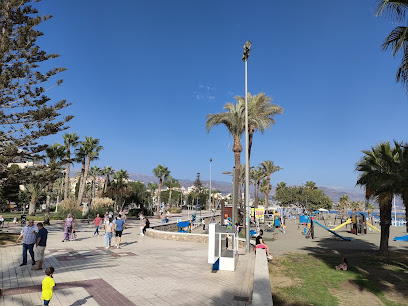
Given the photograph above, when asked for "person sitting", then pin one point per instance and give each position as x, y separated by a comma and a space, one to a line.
146, 226
260, 244
270, 227
343, 266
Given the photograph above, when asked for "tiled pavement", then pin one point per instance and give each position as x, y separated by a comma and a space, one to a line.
145, 271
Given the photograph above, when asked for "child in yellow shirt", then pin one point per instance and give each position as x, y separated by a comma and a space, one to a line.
48, 285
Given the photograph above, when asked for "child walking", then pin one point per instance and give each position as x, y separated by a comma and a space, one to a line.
48, 285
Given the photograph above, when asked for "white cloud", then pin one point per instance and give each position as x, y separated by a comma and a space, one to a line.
204, 93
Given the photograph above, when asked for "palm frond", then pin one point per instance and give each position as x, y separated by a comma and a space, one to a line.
392, 8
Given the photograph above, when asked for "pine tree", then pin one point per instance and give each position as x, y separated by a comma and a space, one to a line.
26, 113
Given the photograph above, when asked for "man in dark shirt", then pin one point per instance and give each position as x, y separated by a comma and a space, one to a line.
119, 223
260, 244
40, 244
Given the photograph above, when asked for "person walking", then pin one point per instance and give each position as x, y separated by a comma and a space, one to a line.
108, 232
40, 244
118, 230
28, 233
68, 228
97, 222
47, 285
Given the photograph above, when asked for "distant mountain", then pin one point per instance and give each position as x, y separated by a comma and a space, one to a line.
225, 187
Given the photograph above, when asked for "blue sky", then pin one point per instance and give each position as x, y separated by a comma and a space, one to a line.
143, 75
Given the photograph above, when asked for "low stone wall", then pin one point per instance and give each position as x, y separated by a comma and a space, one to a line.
160, 234
262, 294
167, 227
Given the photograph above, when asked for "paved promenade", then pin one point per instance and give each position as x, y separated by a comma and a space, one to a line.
145, 271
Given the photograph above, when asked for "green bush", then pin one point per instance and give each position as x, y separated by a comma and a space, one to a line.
100, 210
76, 214
134, 212
175, 210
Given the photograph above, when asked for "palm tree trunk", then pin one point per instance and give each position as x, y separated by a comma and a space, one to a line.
251, 130
33, 200
82, 177
266, 199
105, 184
83, 181
48, 203
385, 203
170, 197
67, 168
256, 195
158, 199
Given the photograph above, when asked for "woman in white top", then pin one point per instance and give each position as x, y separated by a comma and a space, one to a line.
108, 232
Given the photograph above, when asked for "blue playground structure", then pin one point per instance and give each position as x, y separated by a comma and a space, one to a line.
402, 238
333, 232
311, 220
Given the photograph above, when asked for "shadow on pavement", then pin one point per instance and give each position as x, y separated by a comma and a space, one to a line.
81, 301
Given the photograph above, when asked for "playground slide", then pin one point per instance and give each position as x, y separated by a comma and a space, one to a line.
373, 227
341, 225
333, 232
402, 238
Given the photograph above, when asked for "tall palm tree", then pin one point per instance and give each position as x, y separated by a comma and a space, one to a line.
108, 171
152, 187
378, 169
80, 157
310, 185
119, 187
35, 185
344, 202
265, 187
234, 121
94, 172
161, 172
70, 140
55, 155
397, 40
170, 183
260, 115
91, 148
257, 175
269, 168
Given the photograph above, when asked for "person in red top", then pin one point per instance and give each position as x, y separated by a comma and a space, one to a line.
97, 222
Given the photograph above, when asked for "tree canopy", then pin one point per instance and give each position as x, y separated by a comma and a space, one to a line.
26, 113
303, 197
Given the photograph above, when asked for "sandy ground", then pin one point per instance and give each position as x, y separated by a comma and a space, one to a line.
326, 242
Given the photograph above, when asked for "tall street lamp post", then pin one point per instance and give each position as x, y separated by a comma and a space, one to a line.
247, 48
210, 205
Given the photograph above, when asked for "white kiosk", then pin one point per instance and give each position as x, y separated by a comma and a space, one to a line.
219, 255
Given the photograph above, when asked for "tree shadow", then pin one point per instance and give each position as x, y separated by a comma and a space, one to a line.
376, 272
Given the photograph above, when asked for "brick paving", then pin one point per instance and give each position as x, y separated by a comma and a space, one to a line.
144, 271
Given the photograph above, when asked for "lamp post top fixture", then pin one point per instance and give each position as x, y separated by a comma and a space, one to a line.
247, 48
210, 159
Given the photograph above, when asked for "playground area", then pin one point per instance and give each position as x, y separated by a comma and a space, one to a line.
325, 242
303, 269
